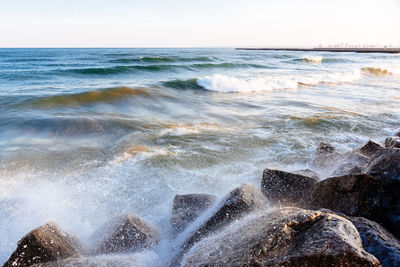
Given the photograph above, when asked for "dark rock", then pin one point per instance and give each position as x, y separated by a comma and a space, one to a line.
353, 195
308, 173
370, 148
397, 133
378, 241
187, 208
237, 203
126, 233
284, 237
393, 141
284, 188
385, 164
44, 244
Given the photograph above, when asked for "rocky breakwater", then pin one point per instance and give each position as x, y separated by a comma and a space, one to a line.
349, 218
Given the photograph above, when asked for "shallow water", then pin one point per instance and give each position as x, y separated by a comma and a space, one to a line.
88, 134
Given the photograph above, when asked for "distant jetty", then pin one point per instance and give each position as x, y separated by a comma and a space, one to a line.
332, 49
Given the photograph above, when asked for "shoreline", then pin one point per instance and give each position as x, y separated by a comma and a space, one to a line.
329, 49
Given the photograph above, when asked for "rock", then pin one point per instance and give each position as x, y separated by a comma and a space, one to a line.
353, 195
284, 188
43, 244
370, 148
332, 163
308, 173
126, 233
385, 164
187, 208
378, 241
236, 204
393, 141
397, 133
284, 237
324, 155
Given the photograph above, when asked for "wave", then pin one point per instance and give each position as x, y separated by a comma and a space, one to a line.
161, 59
183, 84
87, 98
320, 59
377, 71
158, 68
226, 84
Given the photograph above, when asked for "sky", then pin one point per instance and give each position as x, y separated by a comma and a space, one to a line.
202, 23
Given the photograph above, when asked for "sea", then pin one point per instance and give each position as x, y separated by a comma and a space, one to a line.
89, 134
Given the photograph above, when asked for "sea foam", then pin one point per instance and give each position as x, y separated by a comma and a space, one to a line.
226, 84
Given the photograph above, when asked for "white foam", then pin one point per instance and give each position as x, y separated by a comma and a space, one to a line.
226, 84
313, 59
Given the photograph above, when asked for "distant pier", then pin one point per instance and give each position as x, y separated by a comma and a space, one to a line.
332, 49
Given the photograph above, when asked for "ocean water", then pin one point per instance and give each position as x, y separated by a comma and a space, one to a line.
88, 134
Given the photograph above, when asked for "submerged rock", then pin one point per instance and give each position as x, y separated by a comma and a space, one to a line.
126, 233
45, 243
284, 237
325, 154
187, 208
236, 204
353, 195
378, 241
284, 188
393, 141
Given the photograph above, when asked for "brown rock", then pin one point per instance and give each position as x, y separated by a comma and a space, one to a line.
308, 173
370, 148
187, 208
46, 243
236, 204
126, 233
324, 155
353, 195
284, 237
284, 188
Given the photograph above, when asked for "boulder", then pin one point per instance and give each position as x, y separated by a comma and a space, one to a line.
236, 204
353, 195
126, 233
284, 188
187, 208
43, 244
370, 148
378, 241
283, 237
385, 164
393, 141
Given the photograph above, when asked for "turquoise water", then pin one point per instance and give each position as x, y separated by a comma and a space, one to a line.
88, 134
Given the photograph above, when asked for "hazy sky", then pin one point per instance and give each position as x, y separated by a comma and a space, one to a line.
181, 23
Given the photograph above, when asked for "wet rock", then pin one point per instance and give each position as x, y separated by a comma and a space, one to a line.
370, 148
284, 188
378, 241
308, 173
44, 244
353, 195
284, 237
324, 155
393, 141
332, 163
187, 208
126, 233
236, 204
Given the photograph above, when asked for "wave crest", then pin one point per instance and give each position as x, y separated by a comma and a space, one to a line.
377, 71
90, 97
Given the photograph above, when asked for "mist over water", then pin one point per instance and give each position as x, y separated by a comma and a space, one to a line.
89, 134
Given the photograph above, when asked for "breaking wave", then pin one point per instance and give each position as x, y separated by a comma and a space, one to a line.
226, 84
161, 59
